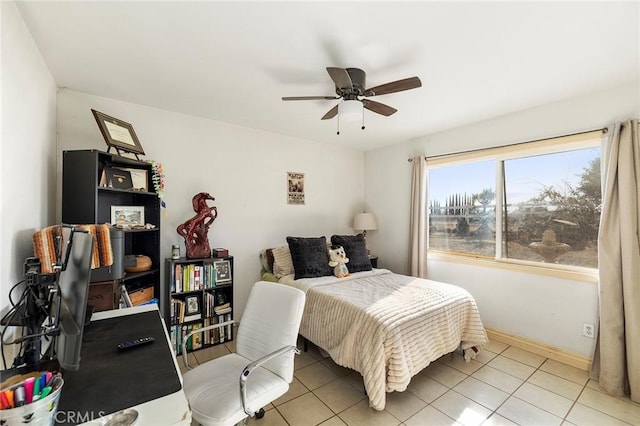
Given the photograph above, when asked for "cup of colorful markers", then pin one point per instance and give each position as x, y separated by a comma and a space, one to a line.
34, 400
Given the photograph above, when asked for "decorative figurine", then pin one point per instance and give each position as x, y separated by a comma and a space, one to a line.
195, 230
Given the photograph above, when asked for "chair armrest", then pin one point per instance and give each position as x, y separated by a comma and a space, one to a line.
200, 330
255, 364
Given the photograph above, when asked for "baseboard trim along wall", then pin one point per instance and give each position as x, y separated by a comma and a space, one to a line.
547, 351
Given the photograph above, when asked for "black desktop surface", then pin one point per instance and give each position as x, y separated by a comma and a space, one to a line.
108, 380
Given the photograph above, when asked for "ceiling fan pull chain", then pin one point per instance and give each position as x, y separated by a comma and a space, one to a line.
338, 125
363, 119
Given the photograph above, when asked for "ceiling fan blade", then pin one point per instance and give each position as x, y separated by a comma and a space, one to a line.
308, 98
394, 86
379, 108
340, 77
331, 113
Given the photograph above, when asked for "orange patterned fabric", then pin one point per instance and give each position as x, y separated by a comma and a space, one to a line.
44, 246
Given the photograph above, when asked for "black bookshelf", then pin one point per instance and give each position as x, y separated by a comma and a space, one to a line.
196, 280
85, 200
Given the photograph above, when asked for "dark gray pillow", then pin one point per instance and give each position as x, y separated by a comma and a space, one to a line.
309, 256
356, 250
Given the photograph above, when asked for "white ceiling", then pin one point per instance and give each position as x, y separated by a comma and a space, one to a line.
233, 61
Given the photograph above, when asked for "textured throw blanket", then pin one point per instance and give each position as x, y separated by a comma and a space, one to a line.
45, 240
387, 326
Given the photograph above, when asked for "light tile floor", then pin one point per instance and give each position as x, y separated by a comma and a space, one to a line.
504, 385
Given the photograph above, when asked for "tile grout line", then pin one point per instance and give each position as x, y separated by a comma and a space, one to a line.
575, 401
512, 394
595, 408
469, 375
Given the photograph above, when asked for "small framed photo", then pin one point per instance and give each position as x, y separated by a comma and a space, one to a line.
116, 178
117, 133
223, 271
192, 305
139, 181
127, 216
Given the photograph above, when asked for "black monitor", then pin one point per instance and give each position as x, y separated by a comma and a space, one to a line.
73, 287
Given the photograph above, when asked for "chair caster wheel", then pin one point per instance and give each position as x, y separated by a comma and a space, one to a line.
260, 413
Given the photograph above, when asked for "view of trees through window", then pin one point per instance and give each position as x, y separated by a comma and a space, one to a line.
550, 211
462, 208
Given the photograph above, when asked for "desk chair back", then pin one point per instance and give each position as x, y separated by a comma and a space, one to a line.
271, 321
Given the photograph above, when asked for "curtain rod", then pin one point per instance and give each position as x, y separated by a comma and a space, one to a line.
603, 130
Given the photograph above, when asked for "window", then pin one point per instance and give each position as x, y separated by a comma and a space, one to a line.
536, 202
462, 208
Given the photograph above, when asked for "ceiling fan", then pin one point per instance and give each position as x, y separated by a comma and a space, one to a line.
350, 86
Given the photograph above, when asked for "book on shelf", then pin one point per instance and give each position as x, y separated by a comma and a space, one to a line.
196, 277
179, 312
221, 330
185, 331
192, 277
229, 328
211, 336
192, 317
179, 334
174, 340
197, 338
222, 309
176, 285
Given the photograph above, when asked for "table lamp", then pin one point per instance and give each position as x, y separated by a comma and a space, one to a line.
365, 222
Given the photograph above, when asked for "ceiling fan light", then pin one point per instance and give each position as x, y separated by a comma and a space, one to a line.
350, 110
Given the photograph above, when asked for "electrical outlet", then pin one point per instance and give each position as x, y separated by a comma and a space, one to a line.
588, 331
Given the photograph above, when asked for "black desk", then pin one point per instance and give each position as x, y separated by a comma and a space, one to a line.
145, 378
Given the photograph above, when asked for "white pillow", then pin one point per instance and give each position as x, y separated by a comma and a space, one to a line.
282, 262
264, 261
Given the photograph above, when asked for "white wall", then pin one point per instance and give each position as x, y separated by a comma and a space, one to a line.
244, 169
27, 151
541, 308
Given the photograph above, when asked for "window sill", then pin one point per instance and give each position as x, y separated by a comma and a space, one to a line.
560, 271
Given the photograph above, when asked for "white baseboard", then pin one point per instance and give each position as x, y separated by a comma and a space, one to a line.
542, 349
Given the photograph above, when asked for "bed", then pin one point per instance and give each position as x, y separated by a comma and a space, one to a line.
386, 326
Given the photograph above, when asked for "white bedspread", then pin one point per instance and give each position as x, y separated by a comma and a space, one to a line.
387, 326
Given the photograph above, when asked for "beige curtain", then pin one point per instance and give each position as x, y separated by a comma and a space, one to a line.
418, 254
617, 359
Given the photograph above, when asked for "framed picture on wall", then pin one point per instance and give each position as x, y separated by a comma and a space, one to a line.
295, 188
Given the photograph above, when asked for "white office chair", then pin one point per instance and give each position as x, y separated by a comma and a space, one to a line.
226, 390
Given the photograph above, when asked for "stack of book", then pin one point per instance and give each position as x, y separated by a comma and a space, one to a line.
192, 277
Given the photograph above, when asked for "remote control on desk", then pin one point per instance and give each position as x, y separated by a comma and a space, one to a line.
135, 342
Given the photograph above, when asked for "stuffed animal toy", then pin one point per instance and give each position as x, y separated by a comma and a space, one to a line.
338, 260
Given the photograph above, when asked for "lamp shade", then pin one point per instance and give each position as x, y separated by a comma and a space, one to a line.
365, 222
350, 110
